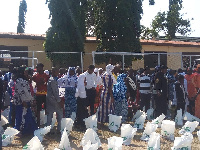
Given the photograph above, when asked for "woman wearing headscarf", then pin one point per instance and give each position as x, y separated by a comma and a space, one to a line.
119, 94
69, 82
106, 101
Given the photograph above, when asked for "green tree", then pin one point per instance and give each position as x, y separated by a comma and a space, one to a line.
117, 28
67, 31
170, 22
22, 16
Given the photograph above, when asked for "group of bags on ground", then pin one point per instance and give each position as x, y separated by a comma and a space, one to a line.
91, 141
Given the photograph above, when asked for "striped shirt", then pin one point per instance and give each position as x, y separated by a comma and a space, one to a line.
145, 84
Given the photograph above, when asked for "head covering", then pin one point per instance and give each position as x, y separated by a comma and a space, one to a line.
96, 70
47, 72
71, 68
109, 69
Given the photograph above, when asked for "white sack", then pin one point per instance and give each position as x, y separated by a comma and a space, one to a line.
91, 122
6, 112
198, 134
179, 118
150, 114
73, 116
189, 127
154, 141
167, 129
158, 120
150, 128
66, 123
34, 144
53, 120
137, 114
90, 146
3, 121
64, 143
115, 143
90, 135
43, 117
139, 123
189, 117
127, 133
114, 122
40, 133
183, 143
8, 136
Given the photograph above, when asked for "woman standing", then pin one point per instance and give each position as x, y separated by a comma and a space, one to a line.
107, 100
70, 82
119, 93
23, 99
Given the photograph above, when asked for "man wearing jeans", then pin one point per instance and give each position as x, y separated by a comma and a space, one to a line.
91, 87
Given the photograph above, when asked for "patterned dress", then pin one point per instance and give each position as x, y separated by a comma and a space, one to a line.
106, 106
119, 94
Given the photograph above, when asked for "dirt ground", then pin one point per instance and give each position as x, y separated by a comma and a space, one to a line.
52, 141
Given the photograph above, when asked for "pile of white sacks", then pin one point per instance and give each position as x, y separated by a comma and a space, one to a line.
91, 141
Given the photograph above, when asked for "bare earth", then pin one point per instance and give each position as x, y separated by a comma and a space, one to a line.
52, 141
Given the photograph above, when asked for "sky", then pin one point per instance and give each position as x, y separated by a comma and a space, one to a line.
38, 21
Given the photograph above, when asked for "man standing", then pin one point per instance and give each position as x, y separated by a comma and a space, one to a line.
40, 79
161, 90
54, 103
91, 87
144, 89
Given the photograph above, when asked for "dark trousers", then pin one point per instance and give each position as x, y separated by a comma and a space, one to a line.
191, 107
40, 99
161, 105
91, 94
181, 106
145, 101
82, 111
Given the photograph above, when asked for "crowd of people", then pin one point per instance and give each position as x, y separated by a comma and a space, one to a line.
102, 91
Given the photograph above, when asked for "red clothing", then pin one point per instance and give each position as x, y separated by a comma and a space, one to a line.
41, 83
190, 86
196, 82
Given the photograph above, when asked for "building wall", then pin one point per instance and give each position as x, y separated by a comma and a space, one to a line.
173, 61
33, 45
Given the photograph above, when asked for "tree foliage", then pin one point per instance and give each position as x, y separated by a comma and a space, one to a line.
22, 16
67, 31
170, 22
117, 27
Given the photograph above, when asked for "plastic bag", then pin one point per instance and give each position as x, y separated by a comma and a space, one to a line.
150, 128
189, 127
43, 117
90, 135
139, 123
154, 141
127, 133
168, 128
150, 114
73, 116
115, 143
183, 143
91, 122
66, 123
3, 121
90, 146
53, 120
114, 122
6, 112
158, 120
41, 132
179, 118
64, 143
34, 144
8, 136
137, 115
189, 117
198, 134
